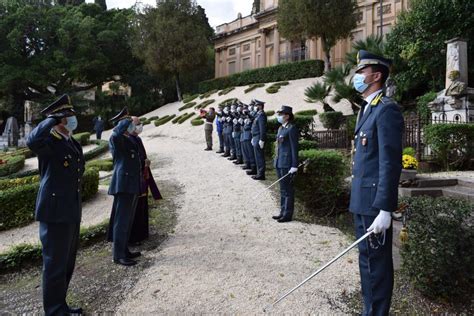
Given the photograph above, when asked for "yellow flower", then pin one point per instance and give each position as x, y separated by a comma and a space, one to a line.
409, 162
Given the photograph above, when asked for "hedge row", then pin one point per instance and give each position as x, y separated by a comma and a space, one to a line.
307, 112
17, 152
101, 164
228, 102
82, 138
197, 121
270, 113
6, 184
190, 98
208, 94
11, 165
102, 147
288, 71
226, 91
331, 120
253, 87
187, 106
185, 117
18, 202
204, 104
165, 119
274, 88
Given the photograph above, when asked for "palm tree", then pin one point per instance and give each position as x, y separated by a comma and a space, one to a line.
373, 43
319, 92
337, 75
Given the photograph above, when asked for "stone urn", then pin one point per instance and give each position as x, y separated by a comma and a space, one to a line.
408, 175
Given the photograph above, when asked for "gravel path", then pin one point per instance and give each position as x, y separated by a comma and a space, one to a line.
227, 255
94, 212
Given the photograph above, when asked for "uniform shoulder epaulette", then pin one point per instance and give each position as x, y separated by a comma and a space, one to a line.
377, 99
56, 134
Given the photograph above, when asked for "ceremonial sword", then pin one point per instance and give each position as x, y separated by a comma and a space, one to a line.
317, 272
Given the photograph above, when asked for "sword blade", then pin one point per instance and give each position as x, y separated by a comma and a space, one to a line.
358, 241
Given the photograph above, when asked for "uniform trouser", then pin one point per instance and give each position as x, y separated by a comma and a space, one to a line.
98, 134
208, 134
226, 143
125, 206
259, 159
287, 194
376, 267
249, 152
221, 141
244, 152
60, 242
238, 148
230, 142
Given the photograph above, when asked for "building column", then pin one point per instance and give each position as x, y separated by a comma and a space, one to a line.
263, 48
276, 46
255, 54
217, 63
312, 49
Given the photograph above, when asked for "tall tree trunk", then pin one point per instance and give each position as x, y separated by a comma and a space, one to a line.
327, 54
178, 88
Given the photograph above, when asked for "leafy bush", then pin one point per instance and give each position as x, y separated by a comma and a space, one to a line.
288, 71
226, 91
331, 120
270, 113
153, 118
422, 105
307, 112
187, 106
302, 122
188, 99
90, 183
147, 122
102, 147
176, 119
350, 125
6, 184
208, 94
101, 164
185, 117
17, 152
197, 121
204, 104
253, 87
305, 144
410, 151
228, 102
452, 144
165, 119
82, 138
11, 165
438, 255
274, 88
321, 183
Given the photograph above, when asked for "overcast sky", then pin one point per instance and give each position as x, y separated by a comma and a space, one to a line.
218, 11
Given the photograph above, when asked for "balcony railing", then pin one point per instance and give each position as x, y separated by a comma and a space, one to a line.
298, 54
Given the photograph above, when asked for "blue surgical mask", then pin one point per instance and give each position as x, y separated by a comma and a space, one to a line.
280, 119
131, 128
71, 124
359, 83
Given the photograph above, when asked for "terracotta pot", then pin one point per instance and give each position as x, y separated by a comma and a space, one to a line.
408, 174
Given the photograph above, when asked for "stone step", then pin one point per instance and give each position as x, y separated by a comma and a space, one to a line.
460, 192
410, 192
465, 182
434, 183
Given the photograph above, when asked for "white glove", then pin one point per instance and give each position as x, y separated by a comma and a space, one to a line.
233, 134
293, 170
261, 143
381, 223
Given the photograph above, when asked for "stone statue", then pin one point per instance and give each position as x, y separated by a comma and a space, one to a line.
11, 131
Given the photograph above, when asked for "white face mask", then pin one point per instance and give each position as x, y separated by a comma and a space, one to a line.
139, 129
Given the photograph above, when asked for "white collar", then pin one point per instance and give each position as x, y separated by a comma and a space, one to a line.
285, 125
371, 97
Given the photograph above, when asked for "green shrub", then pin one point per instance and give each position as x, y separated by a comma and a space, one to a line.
17, 152
153, 118
438, 255
253, 87
452, 144
177, 118
147, 122
187, 106
270, 113
11, 165
101, 164
410, 151
274, 88
90, 183
208, 94
321, 183
422, 105
102, 147
331, 120
188, 99
142, 119
82, 138
204, 104
164, 120
197, 121
306, 144
19, 256
6, 184
307, 112
226, 91
288, 71
228, 102
185, 117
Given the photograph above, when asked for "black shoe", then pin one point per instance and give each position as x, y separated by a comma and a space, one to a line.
246, 167
208, 149
232, 158
226, 155
277, 217
252, 172
257, 177
133, 255
239, 162
220, 151
125, 262
284, 220
75, 310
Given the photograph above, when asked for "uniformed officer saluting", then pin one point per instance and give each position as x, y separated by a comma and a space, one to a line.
125, 186
58, 205
259, 136
286, 162
376, 171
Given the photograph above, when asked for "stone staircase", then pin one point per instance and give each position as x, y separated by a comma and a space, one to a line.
436, 187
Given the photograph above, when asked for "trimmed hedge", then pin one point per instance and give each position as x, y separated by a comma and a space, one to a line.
187, 106
307, 112
208, 94
321, 183
226, 91
253, 87
101, 164
11, 165
274, 88
197, 121
288, 71
82, 138
165, 119
228, 102
204, 104
153, 118
17, 152
18, 202
185, 117
269, 113
438, 255
452, 144
190, 98
331, 120
6, 184
306, 144
102, 147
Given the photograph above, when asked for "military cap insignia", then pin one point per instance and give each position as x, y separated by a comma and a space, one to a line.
66, 164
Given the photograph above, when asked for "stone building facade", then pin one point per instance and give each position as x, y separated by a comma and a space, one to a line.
253, 41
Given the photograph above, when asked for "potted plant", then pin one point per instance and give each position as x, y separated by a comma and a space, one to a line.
409, 164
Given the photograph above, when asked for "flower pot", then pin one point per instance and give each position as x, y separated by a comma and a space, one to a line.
408, 175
